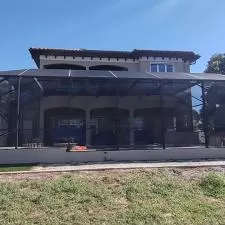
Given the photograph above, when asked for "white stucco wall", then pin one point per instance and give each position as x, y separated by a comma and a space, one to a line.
52, 155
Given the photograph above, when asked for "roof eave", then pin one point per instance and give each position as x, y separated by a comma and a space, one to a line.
186, 56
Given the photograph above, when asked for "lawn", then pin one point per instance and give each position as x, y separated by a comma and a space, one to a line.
154, 196
19, 167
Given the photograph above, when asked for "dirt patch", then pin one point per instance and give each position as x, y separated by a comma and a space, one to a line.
30, 176
196, 173
186, 173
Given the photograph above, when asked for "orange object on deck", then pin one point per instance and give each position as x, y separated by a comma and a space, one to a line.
80, 148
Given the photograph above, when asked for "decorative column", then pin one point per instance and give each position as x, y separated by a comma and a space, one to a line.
88, 128
131, 123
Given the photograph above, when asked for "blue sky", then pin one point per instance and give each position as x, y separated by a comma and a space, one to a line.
195, 25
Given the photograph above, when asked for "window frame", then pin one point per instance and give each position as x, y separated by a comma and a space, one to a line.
167, 68
152, 65
160, 63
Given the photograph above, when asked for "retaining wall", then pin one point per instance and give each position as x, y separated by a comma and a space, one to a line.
58, 155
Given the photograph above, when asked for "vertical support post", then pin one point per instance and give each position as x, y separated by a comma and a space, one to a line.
87, 128
18, 111
205, 116
162, 116
38, 117
117, 121
191, 116
131, 128
69, 110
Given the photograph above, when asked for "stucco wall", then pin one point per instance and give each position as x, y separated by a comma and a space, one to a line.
130, 66
88, 103
137, 65
130, 103
52, 155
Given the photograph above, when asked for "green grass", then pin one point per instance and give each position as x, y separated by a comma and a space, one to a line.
156, 196
16, 167
213, 185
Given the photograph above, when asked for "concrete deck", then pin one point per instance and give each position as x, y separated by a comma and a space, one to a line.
60, 156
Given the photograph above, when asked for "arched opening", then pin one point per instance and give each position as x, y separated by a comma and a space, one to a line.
147, 125
108, 67
64, 66
110, 126
61, 124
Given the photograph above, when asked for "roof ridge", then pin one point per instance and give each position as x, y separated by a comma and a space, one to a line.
104, 50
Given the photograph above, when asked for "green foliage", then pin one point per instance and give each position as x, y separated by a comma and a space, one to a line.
216, 64
215, 95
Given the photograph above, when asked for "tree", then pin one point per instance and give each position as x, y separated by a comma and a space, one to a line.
196, 119
216, 64
215, 96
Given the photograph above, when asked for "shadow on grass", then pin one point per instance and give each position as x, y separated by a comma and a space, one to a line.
16, 167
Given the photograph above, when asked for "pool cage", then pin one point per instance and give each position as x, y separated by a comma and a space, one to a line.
110, 109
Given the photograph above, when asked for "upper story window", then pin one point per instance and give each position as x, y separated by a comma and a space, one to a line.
64, 66
108, 67
161, 67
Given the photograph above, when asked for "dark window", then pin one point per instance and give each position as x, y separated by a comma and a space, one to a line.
108, 67
162, 68
65, 67
154, 68
169, 68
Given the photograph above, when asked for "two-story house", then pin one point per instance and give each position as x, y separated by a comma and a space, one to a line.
103, 118
99, 98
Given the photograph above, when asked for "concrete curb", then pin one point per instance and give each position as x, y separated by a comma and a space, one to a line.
117, 166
